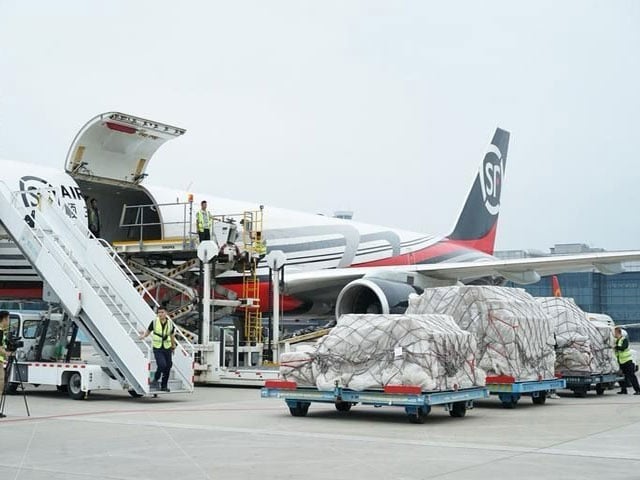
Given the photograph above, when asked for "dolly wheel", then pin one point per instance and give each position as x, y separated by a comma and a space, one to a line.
458, 410
580, 392
343, 406
509, 401
540, 399
418, 416
299, 410
600, 389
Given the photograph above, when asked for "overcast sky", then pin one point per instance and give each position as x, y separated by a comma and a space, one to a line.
383, 108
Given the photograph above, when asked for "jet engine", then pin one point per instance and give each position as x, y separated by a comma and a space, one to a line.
374, 295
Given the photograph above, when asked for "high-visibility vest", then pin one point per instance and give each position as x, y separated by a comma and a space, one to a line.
162, 333
623, 356
259, 247
203, 220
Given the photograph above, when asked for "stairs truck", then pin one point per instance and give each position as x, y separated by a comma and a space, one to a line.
96, 291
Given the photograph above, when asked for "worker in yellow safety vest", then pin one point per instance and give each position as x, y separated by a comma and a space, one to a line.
204, 222
4, 333
623, 354
164, 344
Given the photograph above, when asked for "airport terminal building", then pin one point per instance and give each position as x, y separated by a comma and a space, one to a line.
616, 295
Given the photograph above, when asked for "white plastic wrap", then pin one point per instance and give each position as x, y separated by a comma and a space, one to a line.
513, 332
582, 345
370, 351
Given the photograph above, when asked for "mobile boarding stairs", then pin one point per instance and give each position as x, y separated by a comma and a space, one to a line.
94, 286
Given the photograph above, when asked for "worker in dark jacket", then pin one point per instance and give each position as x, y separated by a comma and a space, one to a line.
94, 217
623, 354
164, 344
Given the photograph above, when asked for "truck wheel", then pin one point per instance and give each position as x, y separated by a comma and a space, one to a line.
75, 387
343, 406
540, 399
459, 409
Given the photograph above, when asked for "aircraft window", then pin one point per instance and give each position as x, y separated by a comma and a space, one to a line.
29, 328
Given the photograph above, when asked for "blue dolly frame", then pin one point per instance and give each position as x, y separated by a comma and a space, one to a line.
510, 391
580, 383
417, 404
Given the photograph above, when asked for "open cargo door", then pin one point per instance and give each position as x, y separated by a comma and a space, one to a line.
115, 148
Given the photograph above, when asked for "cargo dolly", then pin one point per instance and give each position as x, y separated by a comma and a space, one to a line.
417, 403
510, 390
581, 382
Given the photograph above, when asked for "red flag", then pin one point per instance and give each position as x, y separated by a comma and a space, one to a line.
555, 286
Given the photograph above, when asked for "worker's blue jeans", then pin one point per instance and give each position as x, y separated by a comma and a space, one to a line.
164, 362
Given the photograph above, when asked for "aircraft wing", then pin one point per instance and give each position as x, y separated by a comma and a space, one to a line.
521, 270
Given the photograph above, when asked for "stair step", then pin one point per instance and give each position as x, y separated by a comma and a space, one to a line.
175, 386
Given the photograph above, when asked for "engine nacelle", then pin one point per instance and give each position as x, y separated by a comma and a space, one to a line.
374, 295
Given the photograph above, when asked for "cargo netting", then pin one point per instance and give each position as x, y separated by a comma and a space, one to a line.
581, 345
513, 333
371, 351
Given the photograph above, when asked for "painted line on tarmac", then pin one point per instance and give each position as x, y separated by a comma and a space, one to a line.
127, 412
370, 439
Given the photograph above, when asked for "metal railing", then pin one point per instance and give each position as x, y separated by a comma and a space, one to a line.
138, 213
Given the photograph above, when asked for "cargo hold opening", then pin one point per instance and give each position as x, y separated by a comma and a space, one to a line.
111, 200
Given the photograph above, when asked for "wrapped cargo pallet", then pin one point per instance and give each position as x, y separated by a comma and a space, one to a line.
371, 351
582, 345
513, 332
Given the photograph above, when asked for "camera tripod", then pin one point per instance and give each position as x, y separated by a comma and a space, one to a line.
11, 365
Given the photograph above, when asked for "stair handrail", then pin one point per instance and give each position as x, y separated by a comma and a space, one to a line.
184, 345
63, 258
12, 198
82, 233
100, 288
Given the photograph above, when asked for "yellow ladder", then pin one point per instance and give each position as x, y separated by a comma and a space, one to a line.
255, 247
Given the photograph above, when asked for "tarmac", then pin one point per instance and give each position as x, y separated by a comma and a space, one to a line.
231, 433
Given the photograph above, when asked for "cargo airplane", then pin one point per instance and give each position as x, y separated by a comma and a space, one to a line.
332, 265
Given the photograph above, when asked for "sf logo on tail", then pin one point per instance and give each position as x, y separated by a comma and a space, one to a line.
491, 177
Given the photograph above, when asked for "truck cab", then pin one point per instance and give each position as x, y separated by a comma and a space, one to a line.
45, 336
50, 354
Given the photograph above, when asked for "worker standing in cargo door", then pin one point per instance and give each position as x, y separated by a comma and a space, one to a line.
623, 354
94, 217
204, 222
164, 344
